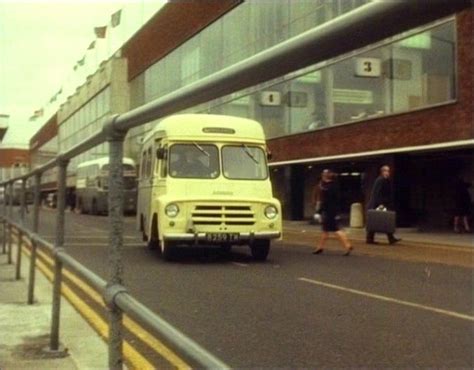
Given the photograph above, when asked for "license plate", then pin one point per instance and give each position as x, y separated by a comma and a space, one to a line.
222, 237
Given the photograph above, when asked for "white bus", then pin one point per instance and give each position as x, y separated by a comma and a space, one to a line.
92, 184
204, 180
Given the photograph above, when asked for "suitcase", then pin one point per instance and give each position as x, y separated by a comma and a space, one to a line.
381, 221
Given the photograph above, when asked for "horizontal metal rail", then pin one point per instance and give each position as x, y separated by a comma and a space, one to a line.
159, 327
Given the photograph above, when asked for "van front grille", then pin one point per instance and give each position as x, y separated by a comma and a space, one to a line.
230, 215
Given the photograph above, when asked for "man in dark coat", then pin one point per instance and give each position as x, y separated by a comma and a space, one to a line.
381, 196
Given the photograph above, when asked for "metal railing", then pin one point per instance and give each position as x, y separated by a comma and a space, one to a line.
323, 42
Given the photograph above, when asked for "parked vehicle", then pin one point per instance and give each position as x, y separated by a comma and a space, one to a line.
204, 180
92, 184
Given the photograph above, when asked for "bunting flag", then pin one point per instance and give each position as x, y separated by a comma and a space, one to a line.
115, 18
100, 32
91, 46
36, 114
55, 96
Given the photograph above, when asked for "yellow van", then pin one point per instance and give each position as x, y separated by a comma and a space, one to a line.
204, 180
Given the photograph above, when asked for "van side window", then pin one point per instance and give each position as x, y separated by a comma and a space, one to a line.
148, 163
156, 166
164, 164
142, 165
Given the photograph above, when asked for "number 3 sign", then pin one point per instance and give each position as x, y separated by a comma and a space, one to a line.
367, 67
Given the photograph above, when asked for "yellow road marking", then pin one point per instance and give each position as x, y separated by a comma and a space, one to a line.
136, 360
389, 299
130, 324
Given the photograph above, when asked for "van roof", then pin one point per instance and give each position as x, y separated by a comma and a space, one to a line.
104, 160
194, 125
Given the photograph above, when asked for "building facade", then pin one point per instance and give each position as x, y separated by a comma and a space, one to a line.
405, 101
43, 148
104, 94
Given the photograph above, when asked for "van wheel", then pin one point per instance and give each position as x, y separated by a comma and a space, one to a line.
153, 242
168, 250
260, 249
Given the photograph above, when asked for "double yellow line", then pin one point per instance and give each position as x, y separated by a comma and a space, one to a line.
131, 354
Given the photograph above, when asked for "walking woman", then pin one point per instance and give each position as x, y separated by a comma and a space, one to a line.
328, 199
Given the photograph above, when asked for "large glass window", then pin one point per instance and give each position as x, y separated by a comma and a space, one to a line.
244, 162
411, 73
194, 161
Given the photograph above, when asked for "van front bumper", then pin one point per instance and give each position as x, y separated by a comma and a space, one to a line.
207, 237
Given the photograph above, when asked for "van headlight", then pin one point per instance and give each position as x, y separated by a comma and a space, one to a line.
172, 210
271, 212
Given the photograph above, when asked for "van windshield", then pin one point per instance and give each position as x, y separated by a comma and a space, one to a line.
242, 162
194, 160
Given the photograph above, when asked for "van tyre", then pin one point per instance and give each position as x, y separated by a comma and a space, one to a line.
260, 250
153, 242
168, 250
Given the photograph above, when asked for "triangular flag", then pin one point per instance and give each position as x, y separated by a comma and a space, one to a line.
100, 32
115, 18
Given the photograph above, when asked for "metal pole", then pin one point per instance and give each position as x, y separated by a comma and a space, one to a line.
20, 234
115, 204
4, 206
36, 208
18, 256
60, 221
10, 229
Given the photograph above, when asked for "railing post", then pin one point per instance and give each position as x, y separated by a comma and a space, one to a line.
4, 212
10, 217
20, 233
115, 205
36, 209
58, 245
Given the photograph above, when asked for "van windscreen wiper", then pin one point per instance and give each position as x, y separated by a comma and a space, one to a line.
201, 149
249, 153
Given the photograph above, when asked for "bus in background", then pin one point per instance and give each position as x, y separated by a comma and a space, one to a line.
92, 184
16, 200
204, 180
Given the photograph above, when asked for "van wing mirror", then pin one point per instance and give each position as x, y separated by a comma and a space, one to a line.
269, 155
161, 153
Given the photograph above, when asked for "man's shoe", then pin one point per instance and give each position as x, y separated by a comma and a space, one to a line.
394, 240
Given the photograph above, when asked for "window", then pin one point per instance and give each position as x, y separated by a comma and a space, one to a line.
142, 165
148, 163
164, 163
244, 162
412, 73
194, 161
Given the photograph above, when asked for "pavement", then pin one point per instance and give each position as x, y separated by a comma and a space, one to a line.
416, 246
409, 235
25, 328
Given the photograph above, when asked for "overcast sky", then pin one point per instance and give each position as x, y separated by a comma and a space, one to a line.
40, 42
